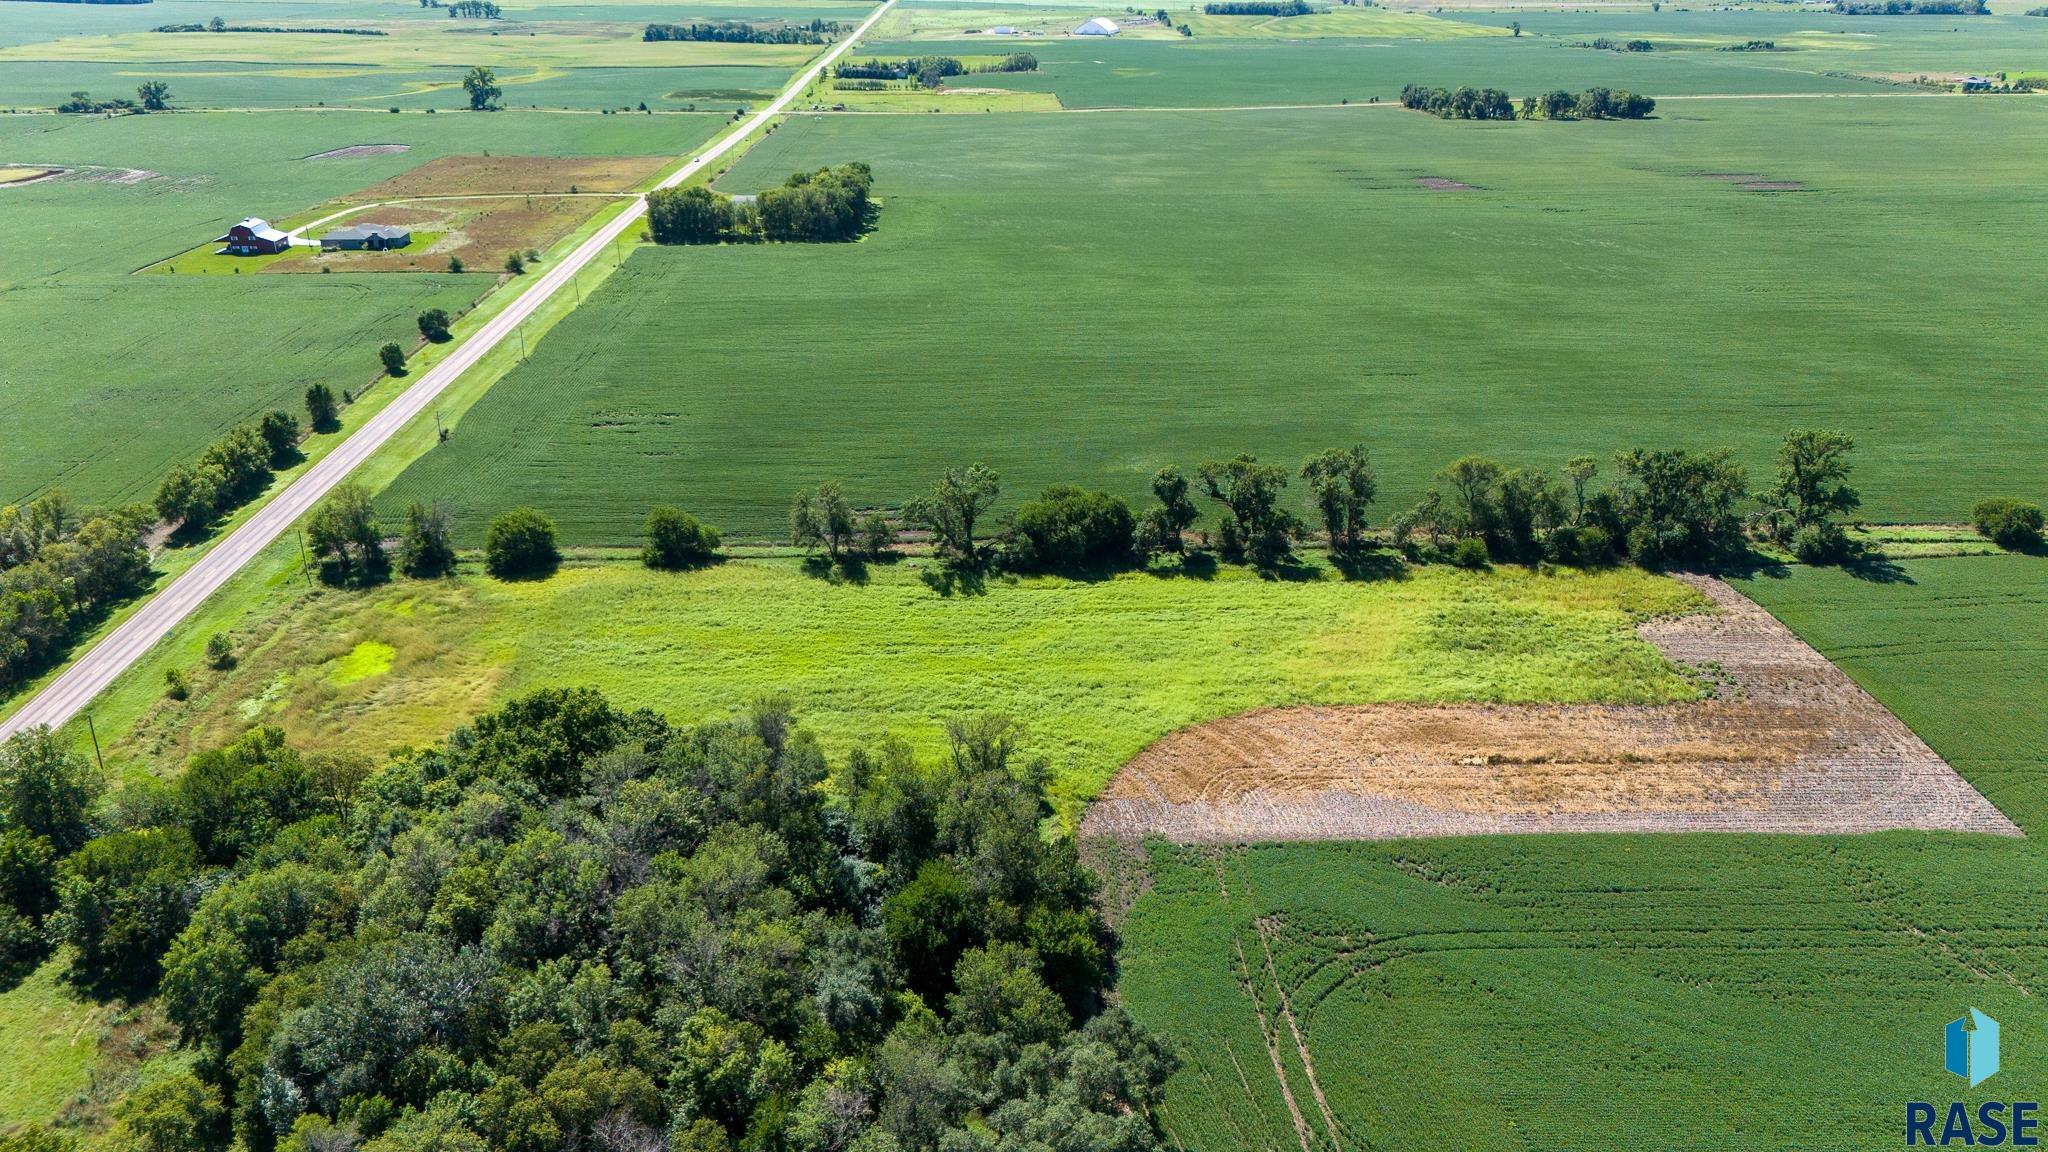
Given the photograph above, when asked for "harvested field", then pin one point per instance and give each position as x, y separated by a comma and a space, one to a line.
355, 150
485, 175
1788, 744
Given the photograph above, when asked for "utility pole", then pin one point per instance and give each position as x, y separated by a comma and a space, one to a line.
305, 562
97, 758
522, 342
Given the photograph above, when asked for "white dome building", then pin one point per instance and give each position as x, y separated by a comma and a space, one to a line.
1100, 26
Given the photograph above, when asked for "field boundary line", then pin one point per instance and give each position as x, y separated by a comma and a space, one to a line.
90, 674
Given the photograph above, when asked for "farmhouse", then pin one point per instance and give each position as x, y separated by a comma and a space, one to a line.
371, 237
254, 237
1100, 26
1973, 84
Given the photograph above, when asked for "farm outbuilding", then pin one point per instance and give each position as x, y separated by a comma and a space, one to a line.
254, 237
366, 237
1100, 26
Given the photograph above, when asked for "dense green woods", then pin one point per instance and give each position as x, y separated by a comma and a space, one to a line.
737, 32
576, 927
61, 569
826, 206
1466, 103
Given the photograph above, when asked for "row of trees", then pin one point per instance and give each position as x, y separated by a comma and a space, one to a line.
826, 206
233, 469
1606, 45
150, 96
478, 9
1666, 508
219, 25
737, 32
1494, 104
576, 927
61, 569
1911, 7
1463, 104
1256, 8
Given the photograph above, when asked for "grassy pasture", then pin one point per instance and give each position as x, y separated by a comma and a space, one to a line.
1089, 297
1637, 991
1094, 671
103, 408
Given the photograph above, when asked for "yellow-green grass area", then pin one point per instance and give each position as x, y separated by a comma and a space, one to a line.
1354, 22
912, 98
1092, 670
211, 260
15, 175
416, 44
49, 1041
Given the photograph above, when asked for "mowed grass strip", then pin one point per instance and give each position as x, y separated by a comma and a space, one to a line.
1089, 297
1092, 670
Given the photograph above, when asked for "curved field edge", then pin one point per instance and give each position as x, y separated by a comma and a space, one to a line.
1642, 987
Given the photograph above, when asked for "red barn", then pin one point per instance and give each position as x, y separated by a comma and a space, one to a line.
254, 237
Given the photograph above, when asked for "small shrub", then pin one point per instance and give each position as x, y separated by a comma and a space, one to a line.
1069, 528
1470, 553
1582, 546
220, 655
434, 324
520, 542
2013, 524
676, 540
455, 263
515, 264
393, 359
21, 947
175, 687
1822, 543
877, 536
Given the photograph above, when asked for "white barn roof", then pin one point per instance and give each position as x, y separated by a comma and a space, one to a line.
1100, 26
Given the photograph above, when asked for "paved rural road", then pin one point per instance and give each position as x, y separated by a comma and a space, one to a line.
70, 692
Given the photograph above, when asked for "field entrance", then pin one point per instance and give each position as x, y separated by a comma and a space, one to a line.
1788, 743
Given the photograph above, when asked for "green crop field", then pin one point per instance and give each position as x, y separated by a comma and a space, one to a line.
1093, 671
1089, 297
107, 378
1619, 991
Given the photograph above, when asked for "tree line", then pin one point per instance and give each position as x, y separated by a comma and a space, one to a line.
479, 9
229, 472
572, 926
1911, 8
219, 25
1606, 45
150, 96
1467, 103
61, 570
1256, 8
830, 205
737, 32
1666, 508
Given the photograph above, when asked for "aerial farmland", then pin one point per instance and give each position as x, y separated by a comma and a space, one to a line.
916, 576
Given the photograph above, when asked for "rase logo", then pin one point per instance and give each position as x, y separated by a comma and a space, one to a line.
1970, 1050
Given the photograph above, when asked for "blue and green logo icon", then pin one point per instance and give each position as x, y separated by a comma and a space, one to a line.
1972, 1050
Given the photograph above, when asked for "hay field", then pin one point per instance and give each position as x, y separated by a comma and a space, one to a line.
1093, 671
